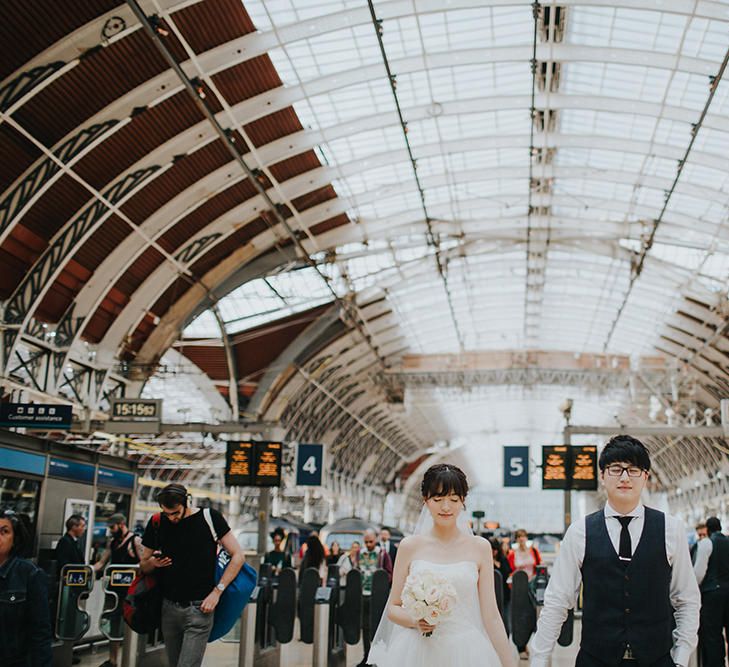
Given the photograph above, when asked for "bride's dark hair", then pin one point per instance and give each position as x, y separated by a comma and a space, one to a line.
442, 479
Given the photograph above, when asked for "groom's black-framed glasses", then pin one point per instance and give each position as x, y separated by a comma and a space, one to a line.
616, 470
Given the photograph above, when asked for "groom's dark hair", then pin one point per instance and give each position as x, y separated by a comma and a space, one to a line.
625, 449
442, 479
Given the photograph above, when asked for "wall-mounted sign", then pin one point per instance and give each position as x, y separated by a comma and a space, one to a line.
35, 415
239, 464
12, 459
555, 467
267, 464
73, 470
516, 466
116, 478
584, 468
309, 465
253, 463
136, 409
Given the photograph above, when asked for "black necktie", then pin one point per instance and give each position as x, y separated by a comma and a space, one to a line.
625, 552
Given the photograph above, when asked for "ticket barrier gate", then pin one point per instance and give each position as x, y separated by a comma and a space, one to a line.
72, 620
337, 618
499, 591
135, 649
267, 622
527, 600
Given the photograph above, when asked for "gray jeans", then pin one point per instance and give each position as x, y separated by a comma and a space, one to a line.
186, 631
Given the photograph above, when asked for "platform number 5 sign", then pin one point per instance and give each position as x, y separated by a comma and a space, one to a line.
516, 466
309, 464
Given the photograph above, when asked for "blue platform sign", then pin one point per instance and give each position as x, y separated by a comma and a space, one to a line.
73, 470
35, 415
309, 464
516, 466
12, 459
116, 478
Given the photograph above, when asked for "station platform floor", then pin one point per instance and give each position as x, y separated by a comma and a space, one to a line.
298, 654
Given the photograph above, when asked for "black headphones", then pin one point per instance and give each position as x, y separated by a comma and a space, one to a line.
175, 490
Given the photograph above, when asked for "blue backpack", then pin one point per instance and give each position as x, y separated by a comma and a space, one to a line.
237, 593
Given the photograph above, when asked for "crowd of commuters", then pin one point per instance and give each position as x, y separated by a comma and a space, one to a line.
180, 548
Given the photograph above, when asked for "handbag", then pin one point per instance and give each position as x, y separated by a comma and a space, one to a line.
142, 607
236, 594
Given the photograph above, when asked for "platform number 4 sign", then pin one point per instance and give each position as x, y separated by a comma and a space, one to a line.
309, 464
516, 466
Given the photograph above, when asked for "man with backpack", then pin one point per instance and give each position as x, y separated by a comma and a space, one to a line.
181, 544
125, 548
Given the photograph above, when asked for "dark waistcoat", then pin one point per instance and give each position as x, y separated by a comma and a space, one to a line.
717, 571
626, 604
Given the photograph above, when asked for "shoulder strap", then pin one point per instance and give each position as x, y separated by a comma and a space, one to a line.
209, 521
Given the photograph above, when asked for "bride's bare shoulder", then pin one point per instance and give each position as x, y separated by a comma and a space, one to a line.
482, 546
409, 545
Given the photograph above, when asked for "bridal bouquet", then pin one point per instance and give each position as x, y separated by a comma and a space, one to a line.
428, 596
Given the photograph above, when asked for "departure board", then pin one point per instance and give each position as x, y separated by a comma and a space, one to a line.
267, 465
584, 468
555, 467
239, 464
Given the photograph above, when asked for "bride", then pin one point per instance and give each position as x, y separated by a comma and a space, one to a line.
473, 634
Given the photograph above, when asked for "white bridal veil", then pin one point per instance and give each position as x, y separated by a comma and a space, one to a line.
386, 630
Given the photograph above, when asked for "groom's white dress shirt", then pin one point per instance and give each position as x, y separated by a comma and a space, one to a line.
566, 577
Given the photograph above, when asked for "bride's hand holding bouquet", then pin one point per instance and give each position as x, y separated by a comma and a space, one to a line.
428, 598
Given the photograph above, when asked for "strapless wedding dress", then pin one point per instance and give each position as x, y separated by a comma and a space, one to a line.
459, 640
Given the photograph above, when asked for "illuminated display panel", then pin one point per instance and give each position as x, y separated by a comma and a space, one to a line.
239, 464
584, 468
555, 467
267, 468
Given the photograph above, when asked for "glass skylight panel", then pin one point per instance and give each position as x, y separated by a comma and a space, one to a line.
705, 39
705, 176
650, 197
345, 104
673, 132
615, 80
381, 179
599, 159
203, 326
401, 37
413, 89
660, 168
625, 28
362, 144
688, 90
607, 124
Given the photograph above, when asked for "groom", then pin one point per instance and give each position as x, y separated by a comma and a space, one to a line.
635, 569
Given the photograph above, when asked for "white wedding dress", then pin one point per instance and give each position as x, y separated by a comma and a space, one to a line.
459, 640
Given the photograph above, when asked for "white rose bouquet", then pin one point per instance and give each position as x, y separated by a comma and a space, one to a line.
428, 596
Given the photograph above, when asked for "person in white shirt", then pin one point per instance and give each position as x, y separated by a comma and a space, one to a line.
634, 566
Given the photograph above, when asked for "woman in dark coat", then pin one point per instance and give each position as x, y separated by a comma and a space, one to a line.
25, 623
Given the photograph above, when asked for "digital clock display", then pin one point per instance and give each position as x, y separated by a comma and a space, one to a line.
136, 409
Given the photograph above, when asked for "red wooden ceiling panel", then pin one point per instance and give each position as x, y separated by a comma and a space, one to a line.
85, 261
214, 22
247, 79
212, 209
183, 173
99, 79
209, 358
274, 126
145, 132
29, 28
18, 154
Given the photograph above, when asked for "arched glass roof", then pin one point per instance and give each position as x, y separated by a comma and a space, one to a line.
566, 207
